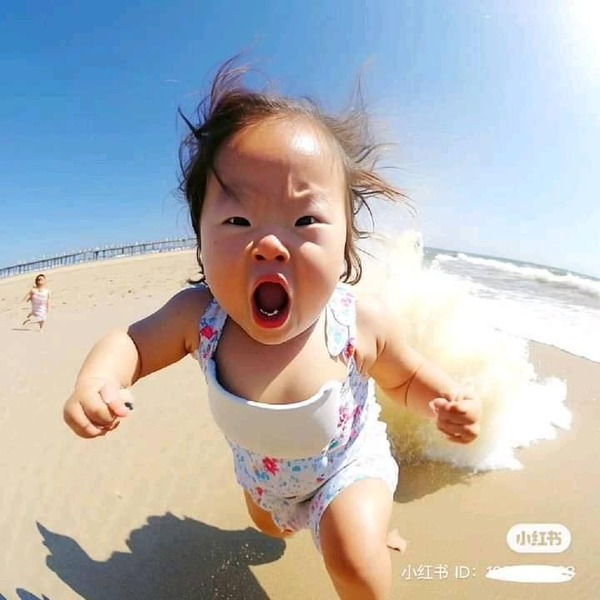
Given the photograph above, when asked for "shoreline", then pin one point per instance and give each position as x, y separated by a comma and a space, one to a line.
178, 256
94, 263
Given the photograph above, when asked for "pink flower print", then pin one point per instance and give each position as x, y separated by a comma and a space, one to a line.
346, 300
270, 465
259, 490
207, 331
349, 351
343, 416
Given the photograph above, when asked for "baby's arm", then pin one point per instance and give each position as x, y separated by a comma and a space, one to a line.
121, 358
417, 383
27, 297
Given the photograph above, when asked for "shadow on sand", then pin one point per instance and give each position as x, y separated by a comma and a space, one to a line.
168, 558
25, 595
419, 480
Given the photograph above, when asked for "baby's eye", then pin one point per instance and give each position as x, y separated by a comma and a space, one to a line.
307, 220
238, 221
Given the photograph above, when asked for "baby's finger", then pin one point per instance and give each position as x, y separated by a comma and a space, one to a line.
450, 428
97, 412
458, 407
454, 417
464, 432
467, 406
126, 398
115, 398
457, 439
438, 404
78, 421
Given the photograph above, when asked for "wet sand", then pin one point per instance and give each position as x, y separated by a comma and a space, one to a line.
153, 511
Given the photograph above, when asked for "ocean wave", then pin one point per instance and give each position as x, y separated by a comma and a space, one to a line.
582, 284
439, 315
563, 327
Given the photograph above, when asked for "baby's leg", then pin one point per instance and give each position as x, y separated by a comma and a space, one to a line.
27, 319
354, 535
263, 519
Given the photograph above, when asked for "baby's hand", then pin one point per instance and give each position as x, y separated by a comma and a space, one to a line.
94, 407
458, 416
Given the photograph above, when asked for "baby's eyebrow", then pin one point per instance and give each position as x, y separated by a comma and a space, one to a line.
315, 199
310, 196
228, 188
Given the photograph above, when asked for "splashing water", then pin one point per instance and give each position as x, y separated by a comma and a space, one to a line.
443, 319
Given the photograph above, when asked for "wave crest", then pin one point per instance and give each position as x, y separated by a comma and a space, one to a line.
587, 286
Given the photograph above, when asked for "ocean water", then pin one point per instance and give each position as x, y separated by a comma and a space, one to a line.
535, 302
473, 317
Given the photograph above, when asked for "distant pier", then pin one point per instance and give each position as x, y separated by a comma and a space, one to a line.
98, 253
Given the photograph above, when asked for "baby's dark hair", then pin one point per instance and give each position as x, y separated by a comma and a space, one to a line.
230, 107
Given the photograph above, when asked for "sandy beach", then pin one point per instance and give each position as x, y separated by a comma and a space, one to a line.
153, 510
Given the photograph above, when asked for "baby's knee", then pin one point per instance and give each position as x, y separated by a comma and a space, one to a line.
356, 564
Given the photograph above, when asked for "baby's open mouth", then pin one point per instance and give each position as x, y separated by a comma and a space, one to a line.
271, 304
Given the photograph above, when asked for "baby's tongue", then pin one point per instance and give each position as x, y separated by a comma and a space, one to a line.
270, 296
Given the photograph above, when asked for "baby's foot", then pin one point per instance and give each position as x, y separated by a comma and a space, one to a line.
396, 542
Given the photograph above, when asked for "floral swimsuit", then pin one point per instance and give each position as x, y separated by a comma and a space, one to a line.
297, 490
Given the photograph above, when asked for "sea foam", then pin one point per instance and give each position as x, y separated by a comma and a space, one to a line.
442, 319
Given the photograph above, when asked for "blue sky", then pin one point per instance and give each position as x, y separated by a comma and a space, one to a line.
493, 105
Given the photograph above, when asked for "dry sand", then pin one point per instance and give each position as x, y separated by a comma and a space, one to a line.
153, 511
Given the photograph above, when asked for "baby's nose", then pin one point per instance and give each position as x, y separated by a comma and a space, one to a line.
270, 248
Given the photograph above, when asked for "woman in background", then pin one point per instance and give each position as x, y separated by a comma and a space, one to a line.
39, 296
